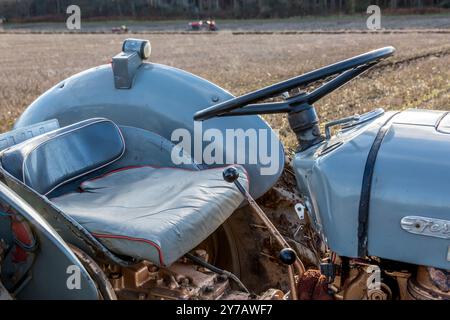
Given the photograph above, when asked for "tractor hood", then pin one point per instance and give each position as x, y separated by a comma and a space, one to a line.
393, 205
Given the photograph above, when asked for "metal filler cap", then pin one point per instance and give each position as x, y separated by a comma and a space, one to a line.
142, 47
126, 64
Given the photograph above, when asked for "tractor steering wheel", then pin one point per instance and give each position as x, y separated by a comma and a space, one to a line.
344, 71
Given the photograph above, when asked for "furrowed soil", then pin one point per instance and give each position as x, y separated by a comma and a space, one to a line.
418, 76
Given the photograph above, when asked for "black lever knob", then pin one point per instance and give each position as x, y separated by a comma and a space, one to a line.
230, 174
287, 256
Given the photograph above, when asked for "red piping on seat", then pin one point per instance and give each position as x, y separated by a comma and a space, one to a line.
154, 245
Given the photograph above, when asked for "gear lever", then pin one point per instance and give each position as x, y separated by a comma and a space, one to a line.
287, 254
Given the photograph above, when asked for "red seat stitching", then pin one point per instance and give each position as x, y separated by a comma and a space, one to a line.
112, 236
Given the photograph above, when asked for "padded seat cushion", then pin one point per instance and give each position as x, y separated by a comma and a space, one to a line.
49, 160
155, 214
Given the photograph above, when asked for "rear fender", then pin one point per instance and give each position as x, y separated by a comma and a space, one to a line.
162, 100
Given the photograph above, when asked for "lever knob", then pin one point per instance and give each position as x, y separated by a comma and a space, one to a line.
230, 174
287, 256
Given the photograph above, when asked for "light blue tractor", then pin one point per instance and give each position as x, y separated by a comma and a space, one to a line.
135, 180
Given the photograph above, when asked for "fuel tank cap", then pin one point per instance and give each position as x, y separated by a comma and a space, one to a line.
142, 47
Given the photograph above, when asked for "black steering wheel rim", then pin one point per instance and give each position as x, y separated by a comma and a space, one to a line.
345, 70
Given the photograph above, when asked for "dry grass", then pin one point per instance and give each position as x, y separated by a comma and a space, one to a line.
30, 64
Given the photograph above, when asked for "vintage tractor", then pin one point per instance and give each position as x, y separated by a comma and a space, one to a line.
136, 180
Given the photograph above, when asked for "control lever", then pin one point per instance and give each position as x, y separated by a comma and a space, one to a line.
342, 121
288, 257
287, 254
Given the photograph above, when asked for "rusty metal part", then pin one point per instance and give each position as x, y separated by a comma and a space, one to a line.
104, 286
278, 204
202, 254
274, 231
383, 293
183, 280
231, 175
222, 250
272, 294
270, 227
440, 278
355, 288
360, 284
206, 285
138, 275
257, 248
429, 284
208, 266
312, 285
279, 238
322, 291
292, 283
402, 282
308, 256
307, 284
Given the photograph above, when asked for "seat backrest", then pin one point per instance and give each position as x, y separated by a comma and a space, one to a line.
52, 159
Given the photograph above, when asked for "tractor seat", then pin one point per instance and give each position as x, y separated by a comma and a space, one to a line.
151, 213
155, 214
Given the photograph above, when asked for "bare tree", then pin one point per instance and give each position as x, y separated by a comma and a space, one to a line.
218, 8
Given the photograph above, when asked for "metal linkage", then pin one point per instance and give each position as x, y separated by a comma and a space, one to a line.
287, 254
219, 271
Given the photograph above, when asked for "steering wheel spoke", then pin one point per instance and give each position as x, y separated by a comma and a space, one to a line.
344, 71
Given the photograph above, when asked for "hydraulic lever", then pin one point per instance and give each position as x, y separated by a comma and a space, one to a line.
287, 255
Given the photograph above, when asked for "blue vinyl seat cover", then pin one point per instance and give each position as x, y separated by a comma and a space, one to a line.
155, 214
50, 160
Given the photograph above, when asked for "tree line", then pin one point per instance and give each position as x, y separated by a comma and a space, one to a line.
142, 9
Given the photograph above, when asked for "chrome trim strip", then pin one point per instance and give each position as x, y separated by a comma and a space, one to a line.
426, 226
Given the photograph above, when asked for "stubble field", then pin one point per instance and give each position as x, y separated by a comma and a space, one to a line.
417, 77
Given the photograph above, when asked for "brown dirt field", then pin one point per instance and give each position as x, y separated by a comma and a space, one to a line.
419, 78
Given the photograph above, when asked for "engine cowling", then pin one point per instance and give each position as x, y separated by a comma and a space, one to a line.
381, 187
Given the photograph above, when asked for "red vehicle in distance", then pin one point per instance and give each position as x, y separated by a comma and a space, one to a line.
203, 25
